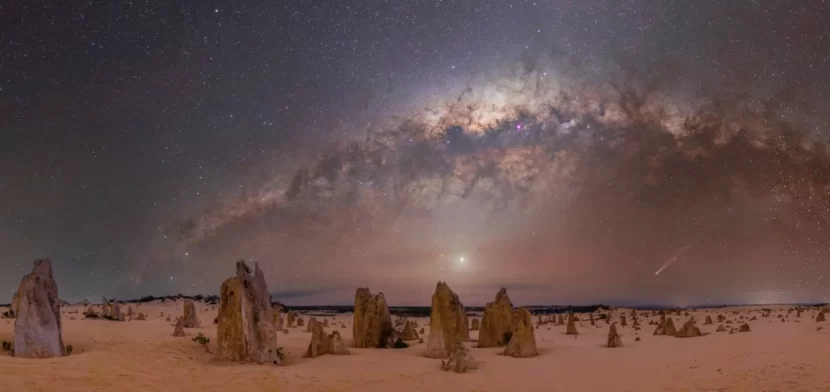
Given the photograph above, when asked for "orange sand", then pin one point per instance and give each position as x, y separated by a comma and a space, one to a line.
143, 356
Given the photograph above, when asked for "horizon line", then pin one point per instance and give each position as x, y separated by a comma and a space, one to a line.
633, 306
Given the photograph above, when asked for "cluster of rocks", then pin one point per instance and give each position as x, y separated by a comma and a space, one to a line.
665, 327
689, 330
247, 322
322, 343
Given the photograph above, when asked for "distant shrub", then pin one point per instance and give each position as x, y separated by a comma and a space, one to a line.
8, 347
68, 349
400, 344
8, 314
201, 339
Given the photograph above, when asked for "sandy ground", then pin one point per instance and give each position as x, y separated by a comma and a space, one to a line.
144, 356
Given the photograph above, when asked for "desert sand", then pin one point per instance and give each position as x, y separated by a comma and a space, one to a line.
144, 356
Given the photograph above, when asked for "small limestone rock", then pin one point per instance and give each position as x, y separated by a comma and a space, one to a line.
614, 339
409, 332
278, 323
325, 344
689, 330
475, 324
312, 321
189, 319
178, 331
522, 342
744, 328
665, 327
571, 329
460, 360
90, 313
708, 320
291, 318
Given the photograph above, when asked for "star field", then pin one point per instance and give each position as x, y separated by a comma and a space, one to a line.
623, 152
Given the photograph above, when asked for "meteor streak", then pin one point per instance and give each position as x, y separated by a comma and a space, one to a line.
680, 252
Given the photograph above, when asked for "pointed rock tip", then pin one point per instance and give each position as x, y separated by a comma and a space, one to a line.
42, 265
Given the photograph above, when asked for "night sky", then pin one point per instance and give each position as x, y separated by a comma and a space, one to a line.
598, 151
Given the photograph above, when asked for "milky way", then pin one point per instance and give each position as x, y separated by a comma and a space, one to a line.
613, 176
609, 151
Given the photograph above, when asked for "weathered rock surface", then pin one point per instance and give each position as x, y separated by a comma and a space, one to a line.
665, 327
475, 324
189, 319
37, 329
522, 342
464, 327
312, 321
278, 323
111, 310
15, 305
689, 330
409, 332
372, 325
614, 339
571, 329
246, 330
178, 330
495, 324
325, 344
447, 326
460, 360
291, 318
